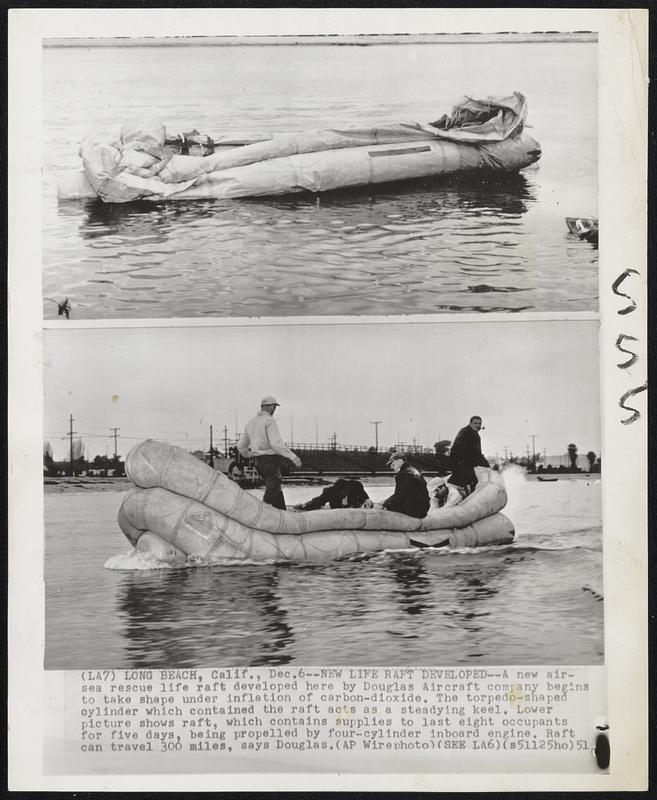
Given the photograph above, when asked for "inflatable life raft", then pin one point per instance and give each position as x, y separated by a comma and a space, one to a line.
145, 163
181, 507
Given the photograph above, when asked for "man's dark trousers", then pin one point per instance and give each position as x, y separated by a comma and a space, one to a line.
270, 469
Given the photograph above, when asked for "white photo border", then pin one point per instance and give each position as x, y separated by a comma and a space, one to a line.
623, 81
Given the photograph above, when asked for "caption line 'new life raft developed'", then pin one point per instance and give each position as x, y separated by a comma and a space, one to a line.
180, 507
141, 164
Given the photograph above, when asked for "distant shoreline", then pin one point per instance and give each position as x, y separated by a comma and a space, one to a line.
361, 40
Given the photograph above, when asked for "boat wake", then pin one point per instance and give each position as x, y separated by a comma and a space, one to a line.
135, 560
140, 560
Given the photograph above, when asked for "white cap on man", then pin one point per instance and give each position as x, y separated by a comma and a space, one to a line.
269, 400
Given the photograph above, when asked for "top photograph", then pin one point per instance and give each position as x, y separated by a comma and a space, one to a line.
283, 176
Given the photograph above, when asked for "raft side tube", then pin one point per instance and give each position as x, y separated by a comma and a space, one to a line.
352, 167
195, 529
129, 530
157, 547
507, 122
151, 464
73, 184
488, 497
137, 164
493, 530
213, 178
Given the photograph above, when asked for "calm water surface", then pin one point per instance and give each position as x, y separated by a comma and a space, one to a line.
537, 601
455, 246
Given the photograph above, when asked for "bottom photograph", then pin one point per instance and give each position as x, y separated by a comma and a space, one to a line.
367, 493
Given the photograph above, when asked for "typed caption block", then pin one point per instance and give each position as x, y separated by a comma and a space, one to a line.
334, 715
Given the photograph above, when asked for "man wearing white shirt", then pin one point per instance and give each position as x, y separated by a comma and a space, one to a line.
262, 441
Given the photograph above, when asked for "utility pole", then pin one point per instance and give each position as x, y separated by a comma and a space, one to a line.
376, 424
116, 452
211, 462
226, 440
532, 436
334, 440
70, 436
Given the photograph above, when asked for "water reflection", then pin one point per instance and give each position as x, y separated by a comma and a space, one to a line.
203, 616
508, 195
414, 588
473, 588
420, 247
504, 194
275, 623
131, 220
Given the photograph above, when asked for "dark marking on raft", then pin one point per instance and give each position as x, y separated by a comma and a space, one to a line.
416, 543
398, 151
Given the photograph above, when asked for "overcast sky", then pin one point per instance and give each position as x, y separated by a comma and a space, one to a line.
422, 381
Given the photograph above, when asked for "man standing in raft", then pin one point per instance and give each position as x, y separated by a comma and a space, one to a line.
262, 442
465, 454
411, 496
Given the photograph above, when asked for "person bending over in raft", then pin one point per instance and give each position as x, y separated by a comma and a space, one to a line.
411, 496
262, 442
465, 454
345, 493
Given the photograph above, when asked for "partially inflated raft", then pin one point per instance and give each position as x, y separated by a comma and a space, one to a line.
181, 507
143, 162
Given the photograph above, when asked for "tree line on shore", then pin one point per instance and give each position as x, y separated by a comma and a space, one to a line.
79, 465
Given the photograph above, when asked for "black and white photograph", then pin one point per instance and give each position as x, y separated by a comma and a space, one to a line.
436, 505
331, 396
283, 176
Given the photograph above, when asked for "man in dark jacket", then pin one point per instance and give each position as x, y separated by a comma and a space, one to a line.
411, 496
345, 493
465, 454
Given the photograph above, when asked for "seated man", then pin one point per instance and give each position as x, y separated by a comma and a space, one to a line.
236, 474
235, 471
345, 493
411, 496
443, 494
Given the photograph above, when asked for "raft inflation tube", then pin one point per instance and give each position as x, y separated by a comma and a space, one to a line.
479, 135
181, 507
